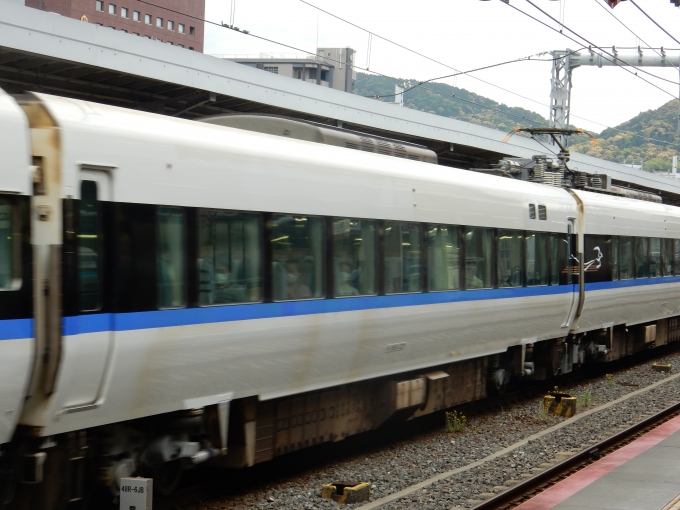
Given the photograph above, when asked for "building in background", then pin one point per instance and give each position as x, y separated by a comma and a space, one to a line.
138, 18
330, 67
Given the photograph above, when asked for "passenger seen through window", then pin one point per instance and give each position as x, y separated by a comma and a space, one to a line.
537, 258
667, 256
626, 258
641, 257
443, 249
509, 258
402, 257
297, 257
655, 257
170, 249
478, 263
229, 257
354, 257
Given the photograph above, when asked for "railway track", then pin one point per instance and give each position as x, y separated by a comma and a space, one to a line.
210, 486
526, 490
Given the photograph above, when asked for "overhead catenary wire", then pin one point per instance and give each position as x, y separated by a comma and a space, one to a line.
491, 66
476, 77
373, 34
613, 58
397, 80
653, 21
608, 11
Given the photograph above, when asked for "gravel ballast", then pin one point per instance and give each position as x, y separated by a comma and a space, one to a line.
417, 459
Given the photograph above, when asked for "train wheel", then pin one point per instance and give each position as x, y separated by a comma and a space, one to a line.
166, 477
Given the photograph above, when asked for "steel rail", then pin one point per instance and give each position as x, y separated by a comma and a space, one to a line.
517, 494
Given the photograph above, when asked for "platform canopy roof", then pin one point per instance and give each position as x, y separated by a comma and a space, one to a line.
45, 52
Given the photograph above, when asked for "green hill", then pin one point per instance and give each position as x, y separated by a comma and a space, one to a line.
661, 125
455, 103
449, 101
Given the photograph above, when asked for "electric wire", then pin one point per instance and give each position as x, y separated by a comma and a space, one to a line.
420, 54
245, 32
593, 45
459, 73
475, 77
397, 80
608, 11
653, 21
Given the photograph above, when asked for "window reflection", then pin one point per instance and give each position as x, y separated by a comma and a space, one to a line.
626, 257
641, 257
402, 257
297, 251
443, 250
89, 248
6, 244
655, 257
537, 258
229, 257
509, 258
478, 263
667, 257
170, 249
354, 257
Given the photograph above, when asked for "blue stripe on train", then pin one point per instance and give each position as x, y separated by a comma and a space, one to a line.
93, 323
15, 329
228, 313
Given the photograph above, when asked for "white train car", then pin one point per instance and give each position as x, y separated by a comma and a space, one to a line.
207, 293
16, 312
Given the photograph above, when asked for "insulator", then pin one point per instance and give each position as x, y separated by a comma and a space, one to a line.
539, 172
596, 181
581, 180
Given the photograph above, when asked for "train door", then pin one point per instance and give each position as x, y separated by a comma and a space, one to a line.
88, 335
571, 273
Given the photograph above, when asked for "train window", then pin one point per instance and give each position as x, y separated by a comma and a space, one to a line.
297, 257
170, 237
510, 272
402, 257
89, 248
8, 245
478, 253
615, 258
676, 257
537, 258
655, 257
557, 247
229, 257
625, 258
641, 257
443, 253
597, 264
354, 257
667, 257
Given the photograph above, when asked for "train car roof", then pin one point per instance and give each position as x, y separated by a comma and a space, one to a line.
159, 160
608, 214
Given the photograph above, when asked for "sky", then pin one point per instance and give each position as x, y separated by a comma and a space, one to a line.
468, 34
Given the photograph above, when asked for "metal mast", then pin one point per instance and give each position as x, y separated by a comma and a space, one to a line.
566, 61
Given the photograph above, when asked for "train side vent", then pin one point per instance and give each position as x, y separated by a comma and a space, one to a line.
542, 213
400, 151
351, 145
384, 148
532, 212
367, 145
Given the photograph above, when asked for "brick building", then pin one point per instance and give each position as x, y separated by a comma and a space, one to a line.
138, 18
